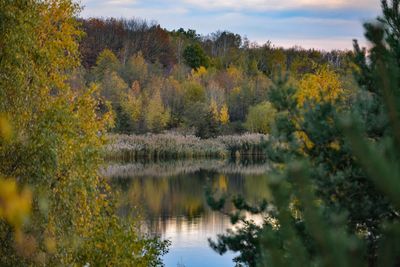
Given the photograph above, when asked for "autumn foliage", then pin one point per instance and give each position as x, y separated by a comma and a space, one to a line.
54, 207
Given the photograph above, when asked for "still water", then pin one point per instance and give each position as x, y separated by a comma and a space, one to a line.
169, 196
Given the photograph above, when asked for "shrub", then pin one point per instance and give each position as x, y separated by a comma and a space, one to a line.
260, 118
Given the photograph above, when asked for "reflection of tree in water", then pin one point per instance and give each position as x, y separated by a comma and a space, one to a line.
182, 196
177, 167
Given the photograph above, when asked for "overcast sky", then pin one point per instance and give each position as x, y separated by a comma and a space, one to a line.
322, 24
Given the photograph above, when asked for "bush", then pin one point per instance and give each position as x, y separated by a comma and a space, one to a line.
175, 146
260, 118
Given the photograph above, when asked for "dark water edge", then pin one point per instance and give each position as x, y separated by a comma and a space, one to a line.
255, 155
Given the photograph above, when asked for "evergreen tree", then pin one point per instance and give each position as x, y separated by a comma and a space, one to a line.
336, 202
195, 56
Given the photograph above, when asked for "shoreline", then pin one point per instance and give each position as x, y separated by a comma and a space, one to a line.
166, 146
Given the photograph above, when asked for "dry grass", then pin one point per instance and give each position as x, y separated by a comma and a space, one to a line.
178, 167
176, 146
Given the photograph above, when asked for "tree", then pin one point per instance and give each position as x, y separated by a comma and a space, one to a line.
106, 62
15, 204
136, 69
260, 118
100, 35
224, 115
56, 148
323, 86
112, 87
214, 110
272, 60
156, 116
195, 56
190, 34
239, 101
194, 92
132, 107
173, 97
222, 42
335, 203
125, 38
201, 118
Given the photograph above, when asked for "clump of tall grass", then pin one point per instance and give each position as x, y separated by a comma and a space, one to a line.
249, 144
163, 146
176, 146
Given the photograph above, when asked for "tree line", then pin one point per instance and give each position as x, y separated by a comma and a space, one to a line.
332, 117
179, 80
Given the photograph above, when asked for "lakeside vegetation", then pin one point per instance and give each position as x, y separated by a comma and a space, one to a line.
186, 166
176, 146
328, 124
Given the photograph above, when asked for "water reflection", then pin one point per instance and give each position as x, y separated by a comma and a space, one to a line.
170, 197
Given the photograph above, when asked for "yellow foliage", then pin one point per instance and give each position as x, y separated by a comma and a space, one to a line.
132, 102
5, 127
236, 90
305, 140
156, 116
222, 184
234, 72
224, 114
323, 86
107, 61
214, 110
57, 147
50, 244
199, 72
235, 75
15, 206
335, 145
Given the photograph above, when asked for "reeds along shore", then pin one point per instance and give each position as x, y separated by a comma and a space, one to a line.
175, 146
181, 166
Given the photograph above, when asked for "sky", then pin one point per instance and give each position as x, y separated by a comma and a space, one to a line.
320, 24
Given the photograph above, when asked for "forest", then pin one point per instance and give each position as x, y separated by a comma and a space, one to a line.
322, 129
158, 80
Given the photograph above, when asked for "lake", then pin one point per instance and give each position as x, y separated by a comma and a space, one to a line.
170, 199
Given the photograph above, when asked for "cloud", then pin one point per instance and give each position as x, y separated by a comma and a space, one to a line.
121, 9
120, 2
283, 22
270, 5
326, 44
